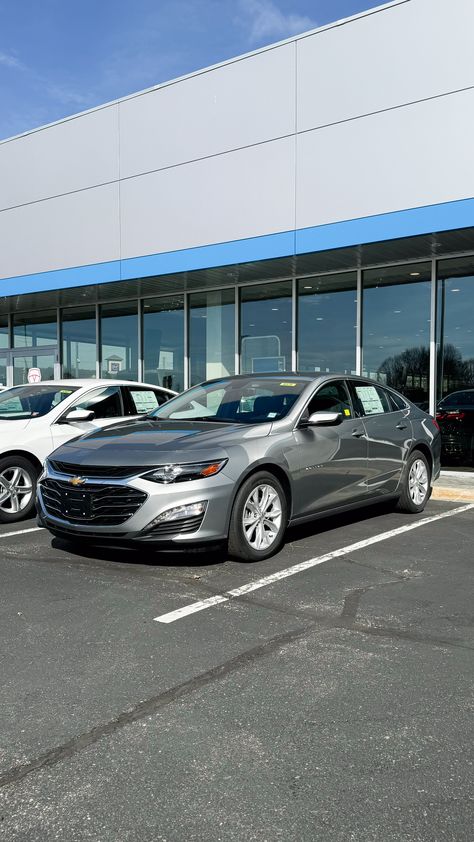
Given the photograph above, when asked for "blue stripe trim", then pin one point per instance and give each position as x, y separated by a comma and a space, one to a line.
388, 226
79, 276
207, 257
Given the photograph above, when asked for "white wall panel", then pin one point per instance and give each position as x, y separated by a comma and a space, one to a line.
410, 157
72, 230
236, 105
68, 156
230, 197
408, 52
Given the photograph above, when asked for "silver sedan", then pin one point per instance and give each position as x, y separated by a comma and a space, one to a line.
238, 460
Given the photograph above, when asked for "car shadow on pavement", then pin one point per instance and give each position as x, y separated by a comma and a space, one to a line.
210, 556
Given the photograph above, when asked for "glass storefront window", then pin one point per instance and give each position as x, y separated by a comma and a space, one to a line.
212, 334
4, 338
163, 342
31, 329
119, 334
455, 325
266, 335
327, 315
396, 328
79, 342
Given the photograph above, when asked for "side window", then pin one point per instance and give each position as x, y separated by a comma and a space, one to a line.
105, 402
373, 399
397, 401
143, 400
333, 397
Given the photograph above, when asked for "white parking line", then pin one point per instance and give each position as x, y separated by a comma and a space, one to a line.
21, 532
172, 616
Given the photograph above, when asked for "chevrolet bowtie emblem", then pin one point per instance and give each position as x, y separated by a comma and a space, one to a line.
77, 481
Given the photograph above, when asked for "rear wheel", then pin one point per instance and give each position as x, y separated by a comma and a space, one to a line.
18, 477
259, 518
416, 484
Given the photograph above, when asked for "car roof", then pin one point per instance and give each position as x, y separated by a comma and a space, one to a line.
81, 383
304, 377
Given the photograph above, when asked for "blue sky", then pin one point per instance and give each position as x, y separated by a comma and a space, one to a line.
58, 57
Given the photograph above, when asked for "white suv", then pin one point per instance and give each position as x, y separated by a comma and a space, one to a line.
36, 419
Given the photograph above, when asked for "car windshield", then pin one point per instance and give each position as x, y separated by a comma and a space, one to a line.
32, 401
251, 400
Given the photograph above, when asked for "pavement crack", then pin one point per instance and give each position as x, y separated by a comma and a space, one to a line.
403, 634
150, 706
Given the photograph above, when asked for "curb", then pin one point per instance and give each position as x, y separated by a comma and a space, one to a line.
464, 494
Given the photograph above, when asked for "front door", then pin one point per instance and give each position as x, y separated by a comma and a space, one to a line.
15, 365
329, 463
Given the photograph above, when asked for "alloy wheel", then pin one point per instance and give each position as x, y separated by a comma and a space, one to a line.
262, 517
418, 482
16, 490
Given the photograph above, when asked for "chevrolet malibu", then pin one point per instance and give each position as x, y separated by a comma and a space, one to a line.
238, 460
36, 418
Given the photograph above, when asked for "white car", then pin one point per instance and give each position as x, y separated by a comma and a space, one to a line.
36, 419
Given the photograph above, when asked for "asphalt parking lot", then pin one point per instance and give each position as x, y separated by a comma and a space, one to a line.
178, 698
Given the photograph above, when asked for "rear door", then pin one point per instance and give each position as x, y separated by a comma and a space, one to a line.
389, 436
329, 463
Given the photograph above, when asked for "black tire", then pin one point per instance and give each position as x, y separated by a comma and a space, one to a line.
29, 472
409, 501
238, 543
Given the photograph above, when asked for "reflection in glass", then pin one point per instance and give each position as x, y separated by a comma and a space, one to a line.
4, 341
35, 329
163, 342
455, 325
79, 342
22, 364
266, 327
396, 328
119, 334
211, 334
327, 315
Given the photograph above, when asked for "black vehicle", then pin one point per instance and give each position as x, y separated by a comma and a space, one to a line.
455, 416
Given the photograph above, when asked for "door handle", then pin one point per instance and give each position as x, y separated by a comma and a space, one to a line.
401, 426
358, 433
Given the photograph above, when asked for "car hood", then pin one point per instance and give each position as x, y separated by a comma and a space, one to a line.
149, 442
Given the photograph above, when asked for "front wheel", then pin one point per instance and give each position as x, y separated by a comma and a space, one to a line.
259, 518
18, 478
416, 484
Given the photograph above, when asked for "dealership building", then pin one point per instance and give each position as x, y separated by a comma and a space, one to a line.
307, 206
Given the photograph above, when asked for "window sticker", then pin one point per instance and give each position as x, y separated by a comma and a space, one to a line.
287, 384
347, 412
144, 401
370, 400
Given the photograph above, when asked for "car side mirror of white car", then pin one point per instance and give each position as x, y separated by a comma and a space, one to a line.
317, 419
77, 415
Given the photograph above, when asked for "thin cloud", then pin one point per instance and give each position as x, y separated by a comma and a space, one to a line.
266, 22
10, 60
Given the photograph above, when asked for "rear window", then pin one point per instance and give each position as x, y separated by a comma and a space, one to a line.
459, 399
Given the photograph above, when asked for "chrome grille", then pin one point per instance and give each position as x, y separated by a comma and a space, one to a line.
102, 471
97, 505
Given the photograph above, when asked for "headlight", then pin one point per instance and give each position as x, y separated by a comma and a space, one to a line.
183, 473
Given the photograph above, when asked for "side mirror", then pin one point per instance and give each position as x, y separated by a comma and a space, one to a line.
317, 419
77, 415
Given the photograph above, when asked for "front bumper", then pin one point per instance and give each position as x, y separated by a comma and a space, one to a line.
217, 491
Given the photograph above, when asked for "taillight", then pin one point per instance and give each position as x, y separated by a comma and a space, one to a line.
450, 416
